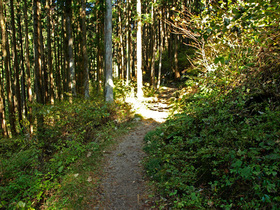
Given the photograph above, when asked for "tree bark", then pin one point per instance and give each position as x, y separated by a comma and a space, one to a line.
37, 53
153, 40
23, 95
45, 77
7, 72
49, 44
121, 44
84, 50
59, 68
177, 73
16, 65
139, 52
64, 56
3, 129
99, 58
70, 47
160, 49
108, 53
128, 42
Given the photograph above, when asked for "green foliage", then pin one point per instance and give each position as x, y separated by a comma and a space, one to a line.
222, 150
185, 54
121, 90
217, 155
32, 170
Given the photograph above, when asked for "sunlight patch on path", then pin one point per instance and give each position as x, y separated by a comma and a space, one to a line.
139, 107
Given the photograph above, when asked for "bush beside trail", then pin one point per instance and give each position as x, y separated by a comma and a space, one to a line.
222, 150
48, 168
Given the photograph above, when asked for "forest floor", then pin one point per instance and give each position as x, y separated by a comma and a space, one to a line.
122, 183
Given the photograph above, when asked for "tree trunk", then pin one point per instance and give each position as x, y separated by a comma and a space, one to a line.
64, 56
99, 52
49, 44
146, 47
58, 56
153, 41
58, 67
128, 42
160, 49
119, 31
121, 44
38, 76
16, 65
108, 53
177, 73
3, 129
5, 49
23, 95
139, 52
37, 53
78, 52
70, 47
84, 50
45, 78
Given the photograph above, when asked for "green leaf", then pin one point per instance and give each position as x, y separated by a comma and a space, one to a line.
237, 164
246, 172
60, 169
21, 204
219, 59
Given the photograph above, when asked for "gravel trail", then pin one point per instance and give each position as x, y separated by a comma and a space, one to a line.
123, 187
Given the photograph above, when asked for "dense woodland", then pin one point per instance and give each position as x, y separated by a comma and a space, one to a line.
61, 59
53, 51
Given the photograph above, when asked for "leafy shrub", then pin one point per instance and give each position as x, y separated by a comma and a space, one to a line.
222, 150
217, 157
32, 169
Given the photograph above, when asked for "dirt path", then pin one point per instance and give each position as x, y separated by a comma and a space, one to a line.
123, 186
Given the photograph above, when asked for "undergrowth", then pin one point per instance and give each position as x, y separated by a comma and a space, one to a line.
222, 150
219, 156
55, 167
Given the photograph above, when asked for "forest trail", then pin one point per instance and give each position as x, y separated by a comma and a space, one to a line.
122, 185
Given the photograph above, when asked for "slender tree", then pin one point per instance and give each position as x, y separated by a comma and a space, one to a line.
84, 50
71, 62
108, 53
176, 70
2, 107
3, 129
128, 42
27, 62
5, 49
99, 56
16, 64
153, 41
49, 44
64, 55
23, 91
160, 48
139, 52
37, 53
121, 41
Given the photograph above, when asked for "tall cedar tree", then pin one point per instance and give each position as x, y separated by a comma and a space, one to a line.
2, 108
139, 52
27, 61
5, 49
84, 50
108, 53
16, 64
71, 62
